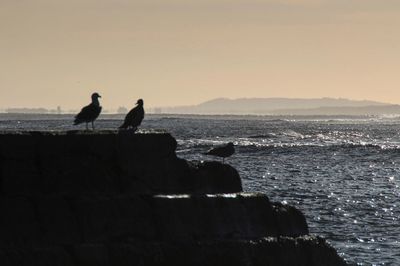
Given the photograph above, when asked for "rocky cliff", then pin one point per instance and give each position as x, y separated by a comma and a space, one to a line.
118, 198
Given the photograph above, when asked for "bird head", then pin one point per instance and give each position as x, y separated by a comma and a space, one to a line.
139, 102
95, 96
230, 144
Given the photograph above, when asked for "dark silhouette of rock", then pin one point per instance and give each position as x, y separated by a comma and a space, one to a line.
212, 177
105, 162
90, 112
222, 151
134, 118
184, 217
119, 198
301, 251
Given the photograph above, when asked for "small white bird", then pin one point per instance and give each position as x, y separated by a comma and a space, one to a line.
222, 151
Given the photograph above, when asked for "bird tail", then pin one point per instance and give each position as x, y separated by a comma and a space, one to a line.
123, 126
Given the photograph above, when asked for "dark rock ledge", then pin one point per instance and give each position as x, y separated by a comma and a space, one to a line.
117, 198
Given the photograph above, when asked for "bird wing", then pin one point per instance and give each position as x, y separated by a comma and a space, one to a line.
131, 115
215, 151
87, 114
222, 151
134, 117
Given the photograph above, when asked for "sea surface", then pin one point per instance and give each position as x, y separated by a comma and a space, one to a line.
343, 173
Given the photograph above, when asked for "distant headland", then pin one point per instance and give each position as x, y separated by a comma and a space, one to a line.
286, 106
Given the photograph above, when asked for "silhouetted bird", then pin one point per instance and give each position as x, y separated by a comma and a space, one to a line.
90, 112
134, 117
222, 151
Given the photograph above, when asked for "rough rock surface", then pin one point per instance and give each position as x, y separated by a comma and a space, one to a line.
105, 163
301, 251
117, 198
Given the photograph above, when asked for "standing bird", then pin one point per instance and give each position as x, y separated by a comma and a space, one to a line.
134, 117
222, 151
90, 112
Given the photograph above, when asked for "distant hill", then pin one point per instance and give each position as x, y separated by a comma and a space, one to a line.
285, 106
347, 110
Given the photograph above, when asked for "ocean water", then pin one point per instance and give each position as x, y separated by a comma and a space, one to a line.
343, 173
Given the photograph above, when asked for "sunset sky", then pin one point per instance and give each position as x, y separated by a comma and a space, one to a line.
181, 52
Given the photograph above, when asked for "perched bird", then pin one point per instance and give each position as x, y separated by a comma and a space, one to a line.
90, 112
134, 117
222, 151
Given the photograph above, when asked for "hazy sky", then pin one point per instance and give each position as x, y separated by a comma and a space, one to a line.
180, 52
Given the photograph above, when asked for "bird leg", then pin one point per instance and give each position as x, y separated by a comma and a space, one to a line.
92, 125
87, 128
131, 128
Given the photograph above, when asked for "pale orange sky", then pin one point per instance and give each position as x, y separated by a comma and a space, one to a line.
181, 52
